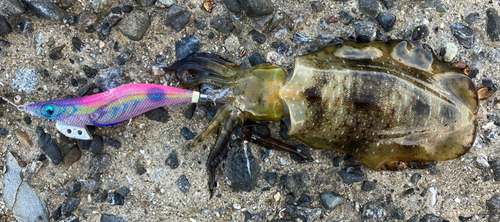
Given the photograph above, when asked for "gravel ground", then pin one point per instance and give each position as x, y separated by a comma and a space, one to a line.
142, 170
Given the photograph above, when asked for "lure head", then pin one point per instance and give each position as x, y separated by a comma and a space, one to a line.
47, 110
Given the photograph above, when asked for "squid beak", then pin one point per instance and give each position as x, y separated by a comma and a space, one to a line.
75, 132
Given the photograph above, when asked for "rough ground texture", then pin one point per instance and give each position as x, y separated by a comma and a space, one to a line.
164, 187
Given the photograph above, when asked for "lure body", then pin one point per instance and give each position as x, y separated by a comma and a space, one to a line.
382, 102
111, 107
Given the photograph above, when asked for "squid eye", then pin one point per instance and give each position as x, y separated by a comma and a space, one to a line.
48, 110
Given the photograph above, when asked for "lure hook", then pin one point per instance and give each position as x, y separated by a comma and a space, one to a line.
21, 108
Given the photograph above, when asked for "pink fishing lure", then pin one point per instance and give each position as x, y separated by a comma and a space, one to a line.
113, 106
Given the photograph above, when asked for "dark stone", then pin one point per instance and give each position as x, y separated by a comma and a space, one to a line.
430, 218
145, 3
493, 24
415, 178
330, 200
70, 218
56, 53
211, 35
398, 214
44, 8
305, 150
388, 3
90, 72
493, 204
187, 134
41, 157
11, 8
311, 48
233, 5
123, 191
177, 18
265, 152
336, 161
351, 174
414, 218
305, 214
123, 58
57, 213
111, 218
495, 166
282, 48
255, 59
369, 7
345, 18
172, 161
48, 146
441, 8
135, 24
472, 17
159, 114
112, 142
83, 144
304, 198
77, 43
72, 156
27, 120
248, 216
99, 164
364, 30
299, 38
69, 205
420, 32
465, 35
222, 24
409, 192
386, 20
190, 112
317, 6
73, 186
284, 131
116, 10
116, 199
271, 177
290, 198
103, 30
183, 184
368, 185
257, 36
5, 27
199, 24
372, 211
242, 168
74, 82
140, 170
160, 59
186, 46
4, 43
463, 219
96, 145
256, 8
127, 8
90, 29
212, 110
73, 20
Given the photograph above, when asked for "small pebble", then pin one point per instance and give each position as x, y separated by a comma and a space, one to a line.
183, 184
27, 120
127, 9
56, 53
420, 32
386, 20
472, 17
493, 24
96, 145
69, 206
116, 199
345, 18
77, 43
271, 177
257, 36
212, 110
187, 134
23, 139
351, 174
172, 161
48, 146
190, 112
465, 35
99, 164
112, 142
72, 156
159, 114
368, 185
123, 191
299, 38
317, 6
330, 200
364, 30
451, 52
186, 46
256, 59
415, 178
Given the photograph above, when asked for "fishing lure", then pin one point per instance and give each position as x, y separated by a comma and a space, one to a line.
108, 108
386, 103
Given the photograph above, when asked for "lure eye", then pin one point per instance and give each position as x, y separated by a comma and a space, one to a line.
48, 110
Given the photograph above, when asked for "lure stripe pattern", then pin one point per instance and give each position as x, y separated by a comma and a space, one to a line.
113, 106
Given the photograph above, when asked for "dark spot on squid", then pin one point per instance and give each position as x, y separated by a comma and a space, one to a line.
155, 94
421, 108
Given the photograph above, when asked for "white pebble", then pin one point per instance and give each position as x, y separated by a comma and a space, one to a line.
451, 52
482, 160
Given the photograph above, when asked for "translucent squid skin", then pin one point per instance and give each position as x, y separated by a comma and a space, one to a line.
110, 107
382, 102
